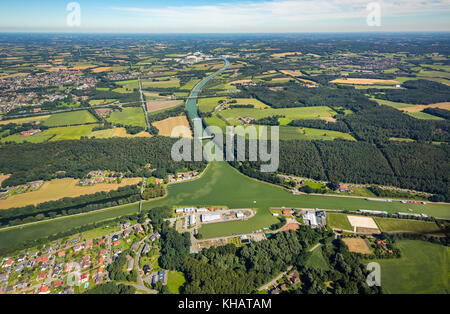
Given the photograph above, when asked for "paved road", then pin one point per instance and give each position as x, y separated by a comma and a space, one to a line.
144, 104
141, 285
274, 281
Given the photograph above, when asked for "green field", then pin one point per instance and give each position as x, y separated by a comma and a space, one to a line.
423, 116
317, 261
291, 133
339, 221
209, 104
423, 268
175, 281
129, 116
396, 105
70, 118
53, 134
290, 113
389, 224
221, 185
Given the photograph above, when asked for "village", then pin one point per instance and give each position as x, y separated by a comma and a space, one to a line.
76, 264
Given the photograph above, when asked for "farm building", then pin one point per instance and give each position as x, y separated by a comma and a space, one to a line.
202, 210
310, 218
179, 210
378, 200
192, 220
240, 215
374, 212
210, 217
315, 218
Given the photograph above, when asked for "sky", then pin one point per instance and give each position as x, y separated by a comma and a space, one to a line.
224, 16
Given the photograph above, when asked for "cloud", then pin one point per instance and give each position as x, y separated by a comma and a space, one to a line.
286, 10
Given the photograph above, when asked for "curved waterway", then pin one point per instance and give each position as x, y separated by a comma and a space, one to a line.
191, 105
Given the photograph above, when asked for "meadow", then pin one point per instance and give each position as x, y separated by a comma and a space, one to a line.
116, 132
389, 224
423, 268
70, 118
53, 134
133, 116
290, 113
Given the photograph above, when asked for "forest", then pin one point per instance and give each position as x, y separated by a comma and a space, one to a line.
417, 166
228, 269
74, 159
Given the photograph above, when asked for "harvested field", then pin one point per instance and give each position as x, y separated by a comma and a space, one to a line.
362, 222
156, 105
357, 245
3, 177
291, 73
240, 82
285, 54
116, 132
418, 108
328, 119
361, 81
167, 126
101, 69
60, 188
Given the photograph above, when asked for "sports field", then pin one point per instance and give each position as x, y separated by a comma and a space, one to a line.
423, 268
221, 185
133, 116
58, 189
70, 118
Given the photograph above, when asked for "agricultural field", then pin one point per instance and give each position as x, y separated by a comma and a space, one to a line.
406, 225
171, 83
60, 188
361, 81
133, 116
423, 116
423, 268
167, 126
53, 134
357, 245
70, 118
289, 113
290, 133
24, 120
209, 104
116, 132
157, 105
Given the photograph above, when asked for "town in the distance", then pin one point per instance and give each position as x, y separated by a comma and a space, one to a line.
92, 202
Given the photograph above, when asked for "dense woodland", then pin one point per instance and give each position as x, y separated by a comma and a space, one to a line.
229, 269
74, 159
421, 167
